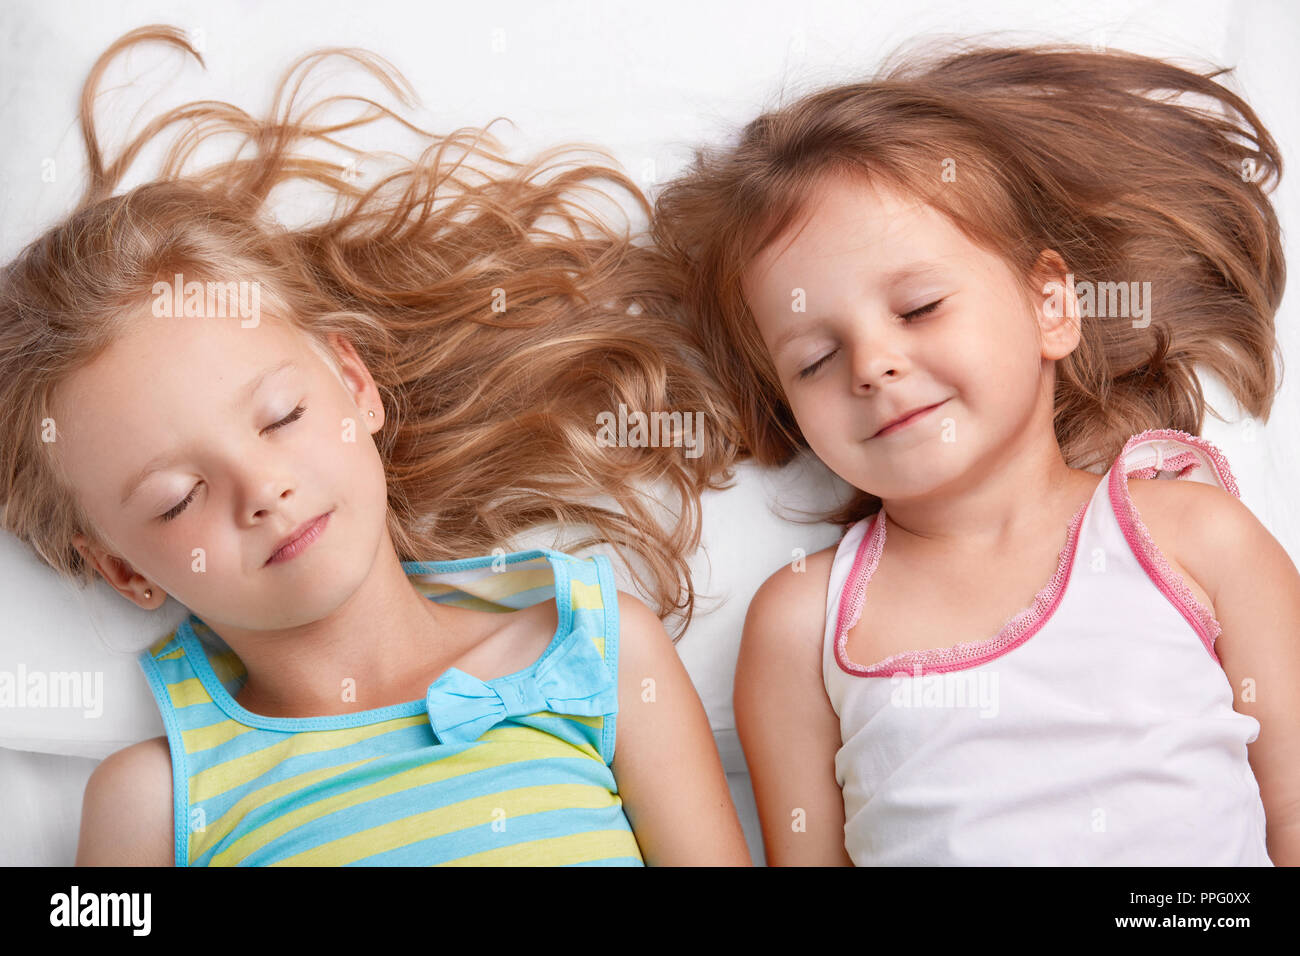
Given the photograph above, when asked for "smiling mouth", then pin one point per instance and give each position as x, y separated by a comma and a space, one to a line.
303, 541
904, 422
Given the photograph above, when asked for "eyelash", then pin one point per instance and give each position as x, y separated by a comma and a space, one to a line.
915, 313
293, 416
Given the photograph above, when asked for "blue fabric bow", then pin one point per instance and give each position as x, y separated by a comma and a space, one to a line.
574, 679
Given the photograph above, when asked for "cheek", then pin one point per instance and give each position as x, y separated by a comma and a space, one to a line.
802, 403
828, 422
354, 466
336, 443
999, 362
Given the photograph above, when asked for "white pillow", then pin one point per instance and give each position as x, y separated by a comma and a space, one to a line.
82, 645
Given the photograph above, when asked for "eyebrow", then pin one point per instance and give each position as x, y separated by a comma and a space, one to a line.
168, 458
909, 271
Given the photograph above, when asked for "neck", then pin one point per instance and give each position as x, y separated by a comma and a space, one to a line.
1015, 494
352, 659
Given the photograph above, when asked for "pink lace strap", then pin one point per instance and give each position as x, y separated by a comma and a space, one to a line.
1180, 464
1144, 456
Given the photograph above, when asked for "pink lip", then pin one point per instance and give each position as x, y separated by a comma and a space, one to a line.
908, 420
302, 539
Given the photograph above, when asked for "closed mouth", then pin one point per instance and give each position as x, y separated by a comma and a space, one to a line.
314, 525
908, 417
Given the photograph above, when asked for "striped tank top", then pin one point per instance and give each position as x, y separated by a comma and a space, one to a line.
1096, 728
511, 771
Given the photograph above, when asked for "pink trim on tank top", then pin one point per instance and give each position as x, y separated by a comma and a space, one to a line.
1029, 621
1019, 628
1169, 581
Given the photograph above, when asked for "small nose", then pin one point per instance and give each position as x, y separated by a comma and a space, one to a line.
877, 350
287, 492
875, 365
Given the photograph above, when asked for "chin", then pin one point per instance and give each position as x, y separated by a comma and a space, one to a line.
913, 483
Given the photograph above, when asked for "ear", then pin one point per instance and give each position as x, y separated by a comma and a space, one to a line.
355, 377
1057, 309
119, 574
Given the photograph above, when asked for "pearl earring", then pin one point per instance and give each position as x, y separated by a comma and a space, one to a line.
148, 593
371, 414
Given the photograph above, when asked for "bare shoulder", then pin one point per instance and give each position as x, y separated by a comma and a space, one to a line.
786, 722
1170, 497
669, 773
650, 672
1197, 526
643, 641
787, 598
791, 604
782, 642
126, 813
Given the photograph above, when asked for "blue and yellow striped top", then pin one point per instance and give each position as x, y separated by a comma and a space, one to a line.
511, 771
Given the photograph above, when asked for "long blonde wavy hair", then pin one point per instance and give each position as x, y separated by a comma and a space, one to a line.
492, 414
1105, 157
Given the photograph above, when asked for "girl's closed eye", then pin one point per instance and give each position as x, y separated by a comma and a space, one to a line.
293, 416
909, 316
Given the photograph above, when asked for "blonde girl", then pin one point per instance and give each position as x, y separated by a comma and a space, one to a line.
326, 467
1022, 650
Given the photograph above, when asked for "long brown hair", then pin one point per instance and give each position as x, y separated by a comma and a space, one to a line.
1089, 153
492, 414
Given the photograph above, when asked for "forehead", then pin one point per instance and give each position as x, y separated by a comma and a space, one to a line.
160, 373
850, 218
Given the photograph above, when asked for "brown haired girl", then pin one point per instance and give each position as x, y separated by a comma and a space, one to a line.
919, 277
304, 435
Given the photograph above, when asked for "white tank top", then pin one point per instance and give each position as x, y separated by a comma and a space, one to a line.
1096, 728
